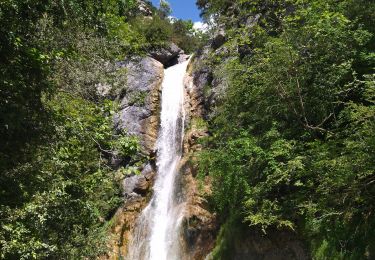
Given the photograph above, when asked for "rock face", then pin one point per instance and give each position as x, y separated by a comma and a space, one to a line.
200, 225
209, 84
139, 116
123, 223
139, 105
169, 55
219, 39
135, 190
139, 184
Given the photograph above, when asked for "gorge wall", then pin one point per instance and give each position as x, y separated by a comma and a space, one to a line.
140, 115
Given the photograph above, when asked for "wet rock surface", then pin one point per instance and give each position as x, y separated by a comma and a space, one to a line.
200, 224
136, 189
209, 84
123, 223
139, 115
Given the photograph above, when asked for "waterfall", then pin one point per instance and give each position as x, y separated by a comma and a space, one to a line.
157, 232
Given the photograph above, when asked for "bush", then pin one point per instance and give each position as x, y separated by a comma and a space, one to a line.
299, 150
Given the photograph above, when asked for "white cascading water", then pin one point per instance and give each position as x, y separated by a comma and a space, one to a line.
157, 233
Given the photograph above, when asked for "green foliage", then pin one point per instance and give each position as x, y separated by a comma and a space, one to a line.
137, 98
198, 123
67, 191
57, 189
299, 151
129, 39
126, 145
22, 82
165, 8
159, 31
231, 230
186, 37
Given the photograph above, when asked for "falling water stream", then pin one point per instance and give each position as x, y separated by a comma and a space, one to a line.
157, 233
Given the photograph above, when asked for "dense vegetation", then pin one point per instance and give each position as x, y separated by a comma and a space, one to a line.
58, 189
299, 153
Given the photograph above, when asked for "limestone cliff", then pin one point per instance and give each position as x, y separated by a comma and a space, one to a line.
200, 224
139, 116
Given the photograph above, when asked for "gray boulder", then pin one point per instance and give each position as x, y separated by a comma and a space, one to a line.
219, 39
136, 185
142, 72
130, 119
168, 55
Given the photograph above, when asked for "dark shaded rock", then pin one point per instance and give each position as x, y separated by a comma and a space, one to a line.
168, 55
139, 115
200, 231
128, 186
121, 227
199, 226
116, 160
142, 185
219, 39
149, 172
203, 93
203, 77
134, 185
209, 82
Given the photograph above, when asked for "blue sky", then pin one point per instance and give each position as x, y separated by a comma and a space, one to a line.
183, 9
